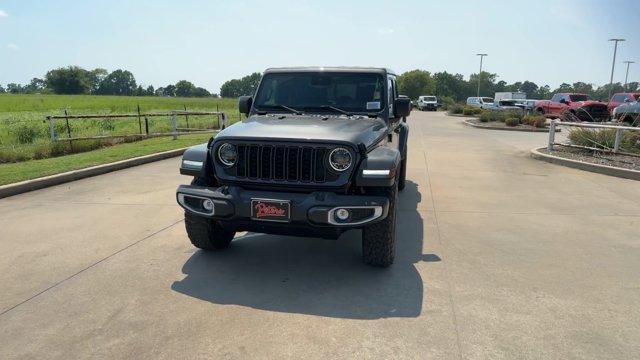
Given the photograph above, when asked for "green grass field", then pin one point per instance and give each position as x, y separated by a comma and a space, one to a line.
24, 131
15, 172
26, 151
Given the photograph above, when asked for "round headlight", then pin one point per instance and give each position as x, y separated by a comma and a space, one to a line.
340, 159
227, 154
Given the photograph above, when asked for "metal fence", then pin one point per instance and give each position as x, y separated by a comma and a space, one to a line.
220, 122
619, 130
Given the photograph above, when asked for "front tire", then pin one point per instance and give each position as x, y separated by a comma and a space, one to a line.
379, 239
205, 233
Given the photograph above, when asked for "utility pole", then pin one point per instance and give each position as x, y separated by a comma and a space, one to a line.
626, 76
613, 65
480, 73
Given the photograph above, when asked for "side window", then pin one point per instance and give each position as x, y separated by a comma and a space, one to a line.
390, 92
556, 98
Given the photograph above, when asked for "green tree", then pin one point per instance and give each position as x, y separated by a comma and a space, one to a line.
35, 86
2, 90
119, 82
582, 88
169, 90
14, 88
450, 85
150, 91
529, 88
200, 92
487, 84
69, 80
239, 87
95, 77
415, 83
184, 88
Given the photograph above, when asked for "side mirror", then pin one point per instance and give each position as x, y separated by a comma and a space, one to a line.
563, 101
402, 107
244, 104
627, 100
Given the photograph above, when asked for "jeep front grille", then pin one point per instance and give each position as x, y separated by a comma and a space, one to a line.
281, 163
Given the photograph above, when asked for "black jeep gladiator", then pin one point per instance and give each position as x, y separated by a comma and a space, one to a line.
322, 151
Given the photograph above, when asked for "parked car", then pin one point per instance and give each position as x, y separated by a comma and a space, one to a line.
507, 106
322, 151
481, 102
621, 98
427, 102
578, 106
628, 113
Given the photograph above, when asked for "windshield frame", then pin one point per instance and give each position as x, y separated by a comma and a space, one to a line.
259, 108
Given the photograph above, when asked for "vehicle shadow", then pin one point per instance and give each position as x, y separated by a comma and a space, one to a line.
314, 276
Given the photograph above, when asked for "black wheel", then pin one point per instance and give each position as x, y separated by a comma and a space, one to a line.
379, 239
205, 233
402, 178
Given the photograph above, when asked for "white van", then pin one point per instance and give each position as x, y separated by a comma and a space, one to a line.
481, 102
427, 102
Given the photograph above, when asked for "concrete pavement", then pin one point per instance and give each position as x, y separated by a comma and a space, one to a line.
499, 256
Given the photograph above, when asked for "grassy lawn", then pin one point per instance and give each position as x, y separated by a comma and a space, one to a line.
24, 133
14, 172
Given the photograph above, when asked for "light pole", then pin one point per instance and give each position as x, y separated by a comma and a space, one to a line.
480, 73
626, 76
613, 65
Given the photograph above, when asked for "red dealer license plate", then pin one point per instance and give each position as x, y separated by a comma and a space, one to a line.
270, 210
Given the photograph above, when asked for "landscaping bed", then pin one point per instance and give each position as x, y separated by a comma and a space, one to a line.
595, 157
500, 125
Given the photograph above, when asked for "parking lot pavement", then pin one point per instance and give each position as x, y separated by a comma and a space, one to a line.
499, 256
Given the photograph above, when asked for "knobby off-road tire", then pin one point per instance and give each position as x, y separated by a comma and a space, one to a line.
206, 233
379, 239
402, 178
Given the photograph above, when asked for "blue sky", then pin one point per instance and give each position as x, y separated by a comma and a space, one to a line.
209, 42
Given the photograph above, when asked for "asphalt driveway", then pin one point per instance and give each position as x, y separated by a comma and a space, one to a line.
499, 256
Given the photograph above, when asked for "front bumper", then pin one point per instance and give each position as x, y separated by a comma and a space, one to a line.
232, 206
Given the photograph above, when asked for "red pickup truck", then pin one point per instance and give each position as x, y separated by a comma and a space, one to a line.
578, 105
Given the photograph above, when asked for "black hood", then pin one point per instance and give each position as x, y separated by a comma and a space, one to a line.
311, 128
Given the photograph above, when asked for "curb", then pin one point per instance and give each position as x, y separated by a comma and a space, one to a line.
596, 168
461, 115
42, 182
545, 130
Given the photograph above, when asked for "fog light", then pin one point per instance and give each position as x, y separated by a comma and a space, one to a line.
342, 214
207, 205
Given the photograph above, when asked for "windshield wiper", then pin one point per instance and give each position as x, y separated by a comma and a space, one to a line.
285, 107
329, 107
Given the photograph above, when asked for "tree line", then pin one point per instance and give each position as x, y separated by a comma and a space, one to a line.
76, 80
453, 87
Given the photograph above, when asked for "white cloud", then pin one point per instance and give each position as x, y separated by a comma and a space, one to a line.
13, 46
3, 14
385, 31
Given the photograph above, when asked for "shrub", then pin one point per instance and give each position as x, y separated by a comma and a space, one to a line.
601, 139
486, 116
25, 134
512, 121
538, 121
456, 109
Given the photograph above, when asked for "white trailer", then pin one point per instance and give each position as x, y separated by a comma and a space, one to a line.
509, 96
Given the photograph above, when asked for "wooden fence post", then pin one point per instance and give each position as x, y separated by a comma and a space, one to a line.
186, 117
174, 125
52, 128
66, 116
552, 135
616, 144
139, 121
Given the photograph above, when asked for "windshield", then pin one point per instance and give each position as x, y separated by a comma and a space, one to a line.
321, 91
429, 98
487, 100
578, 97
